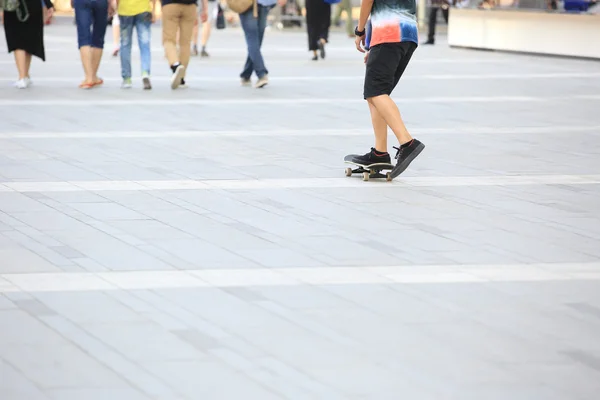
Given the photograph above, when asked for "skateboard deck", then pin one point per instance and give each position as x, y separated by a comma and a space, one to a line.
368, 171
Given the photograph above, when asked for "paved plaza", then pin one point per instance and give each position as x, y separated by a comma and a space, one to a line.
204, 243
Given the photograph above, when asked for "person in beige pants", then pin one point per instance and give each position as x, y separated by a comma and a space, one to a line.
345, 5
179, 16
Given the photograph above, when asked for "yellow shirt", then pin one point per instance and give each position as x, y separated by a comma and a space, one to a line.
128, 8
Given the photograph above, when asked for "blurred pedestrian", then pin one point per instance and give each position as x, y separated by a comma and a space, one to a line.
91, 17
24, 30
213, 9
178, 18
318, 21
138, 14
254, 22
436, 5
345, 6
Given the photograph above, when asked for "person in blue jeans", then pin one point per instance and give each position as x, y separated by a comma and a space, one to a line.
91, 18
254, 22
138, 14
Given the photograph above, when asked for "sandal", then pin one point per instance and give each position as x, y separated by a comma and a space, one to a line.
86, 85
99, 82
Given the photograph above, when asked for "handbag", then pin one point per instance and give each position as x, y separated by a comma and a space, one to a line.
220, 17
9, 5
241, 6
18, 6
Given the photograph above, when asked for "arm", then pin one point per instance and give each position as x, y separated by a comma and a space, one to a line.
365, 11
113, 5
204, 12
49, 10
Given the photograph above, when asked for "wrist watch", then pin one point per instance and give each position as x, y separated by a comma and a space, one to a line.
359, 33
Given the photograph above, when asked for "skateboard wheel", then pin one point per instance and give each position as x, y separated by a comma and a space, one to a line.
366, 176
388, 176
348, 171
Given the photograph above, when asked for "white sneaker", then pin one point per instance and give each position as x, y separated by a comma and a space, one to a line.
28, 81
246, 82
126, 84
21, 84
176, 77
262, 82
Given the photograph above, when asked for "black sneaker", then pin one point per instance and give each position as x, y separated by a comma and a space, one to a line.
405, 155
373, 157
322, 48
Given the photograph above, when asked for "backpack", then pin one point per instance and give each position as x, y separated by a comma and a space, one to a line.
241, 6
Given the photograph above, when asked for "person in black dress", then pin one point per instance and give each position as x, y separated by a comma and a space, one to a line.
318, 20
24, 29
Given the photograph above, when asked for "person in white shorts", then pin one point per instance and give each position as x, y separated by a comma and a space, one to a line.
213, 9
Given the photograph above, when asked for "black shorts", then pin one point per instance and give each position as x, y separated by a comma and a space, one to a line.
385, 66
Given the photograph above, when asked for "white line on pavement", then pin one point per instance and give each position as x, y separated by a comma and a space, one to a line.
136, 280
297, 183
257, 101
455, 130
357, 78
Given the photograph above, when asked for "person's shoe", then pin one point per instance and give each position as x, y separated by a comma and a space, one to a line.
28, 81
373, 157
315, 58
246, 82
126, 84
21, 84
183, 85
195, 50
262, 82
405, 155
429, 42
322, 48
178, 71
204, 54
115, 52
146, 81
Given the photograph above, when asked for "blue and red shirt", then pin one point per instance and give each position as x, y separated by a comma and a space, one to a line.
392, 21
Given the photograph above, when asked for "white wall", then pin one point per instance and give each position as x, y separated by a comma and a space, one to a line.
526, 31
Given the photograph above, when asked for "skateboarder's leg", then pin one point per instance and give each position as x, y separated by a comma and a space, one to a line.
385, 65
379, 128
388, 111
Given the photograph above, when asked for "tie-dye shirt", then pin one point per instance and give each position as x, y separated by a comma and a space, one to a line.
392, 21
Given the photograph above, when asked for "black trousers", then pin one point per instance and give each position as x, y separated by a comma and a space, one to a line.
318, 20
433, 19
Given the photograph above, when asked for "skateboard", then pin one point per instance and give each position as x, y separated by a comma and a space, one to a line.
368, 171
